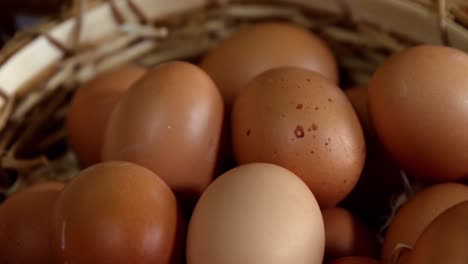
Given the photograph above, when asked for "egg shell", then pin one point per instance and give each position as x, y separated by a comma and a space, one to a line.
380, 178
170, 122
379, 184
115, 212
357, 95
25, 225
355, 260
256, 213
345, 235
414, 217
263, 46
90, 108
418, 105
297, 119
445, 239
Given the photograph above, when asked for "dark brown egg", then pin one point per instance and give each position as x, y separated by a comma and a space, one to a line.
345, 235
115, 212
170, 122
300, 120
418, 104
262, 47
91, 107
25, 225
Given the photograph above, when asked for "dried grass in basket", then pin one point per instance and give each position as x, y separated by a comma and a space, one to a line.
41, 67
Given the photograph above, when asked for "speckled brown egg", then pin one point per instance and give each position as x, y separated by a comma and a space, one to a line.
418, 103
90, 108
256, 213
445, 239
25, 225
265, 46
345, 235
414, 217
300, 120
170, 122
115, 212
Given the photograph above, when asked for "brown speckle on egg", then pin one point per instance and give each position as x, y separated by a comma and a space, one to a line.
299, 131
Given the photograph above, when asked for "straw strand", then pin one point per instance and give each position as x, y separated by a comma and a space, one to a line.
138, 12
117, 14
442, 8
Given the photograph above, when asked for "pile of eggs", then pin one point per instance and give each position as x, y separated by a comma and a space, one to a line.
256, 156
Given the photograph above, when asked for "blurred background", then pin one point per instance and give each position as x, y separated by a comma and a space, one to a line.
17, 14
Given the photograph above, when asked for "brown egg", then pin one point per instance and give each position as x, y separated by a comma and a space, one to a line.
297, 119
358, 97
418, 105
411, 220
25, 231
170, 122
256, 213
445, 240
91, 107
265, 46
355, 260
380, 178
115, 212
345, 235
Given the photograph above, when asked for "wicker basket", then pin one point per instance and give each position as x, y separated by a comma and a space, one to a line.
41, 67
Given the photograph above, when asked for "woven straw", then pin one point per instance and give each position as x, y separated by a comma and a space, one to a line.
41, 67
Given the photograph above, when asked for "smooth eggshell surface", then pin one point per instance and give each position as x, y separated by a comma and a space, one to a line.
345, 235
170, 122
264, 46
256, 213
90, 108
115, 212
418, 103
444, 240
414, 217
25, 225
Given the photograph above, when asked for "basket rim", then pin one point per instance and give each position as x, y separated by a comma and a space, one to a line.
37, 59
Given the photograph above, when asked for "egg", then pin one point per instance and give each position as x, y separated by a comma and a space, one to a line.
345, 235
358, 97
263, 46
170, 122
299, 120
444, 240
256, 213
115, 212
379, 185
25, 225
355, 260
414, 217
380, 178
90, 108
418, 105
